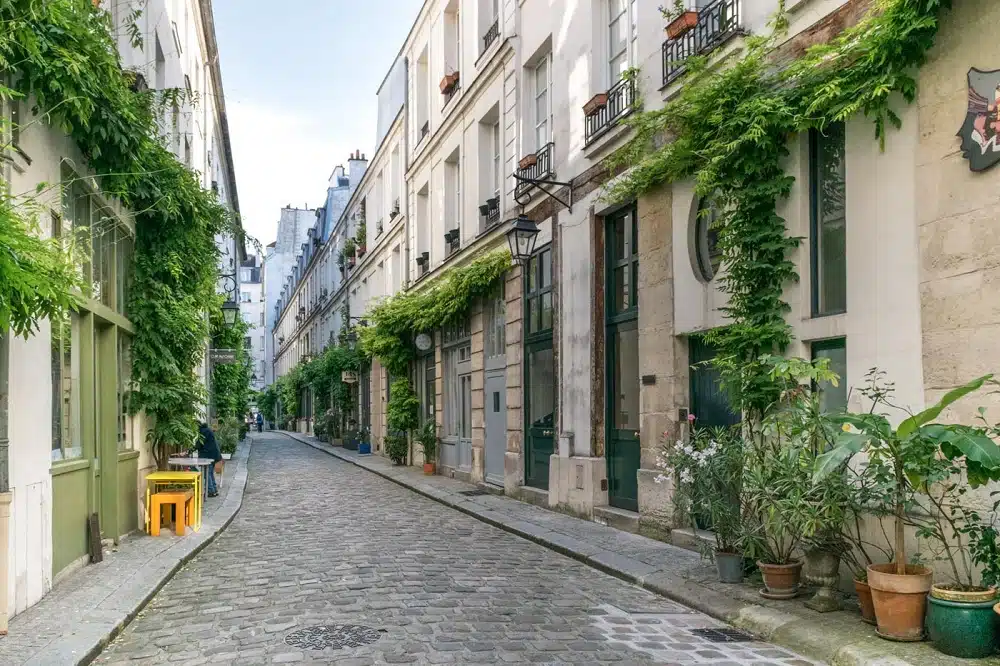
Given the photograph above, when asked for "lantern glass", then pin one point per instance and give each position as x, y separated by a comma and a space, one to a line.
230, 311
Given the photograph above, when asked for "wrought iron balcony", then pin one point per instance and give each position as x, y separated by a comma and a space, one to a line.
616, 105
536, 169
491, 35
490, 212
717, 23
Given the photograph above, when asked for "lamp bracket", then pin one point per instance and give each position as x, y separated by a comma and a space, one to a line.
524, 197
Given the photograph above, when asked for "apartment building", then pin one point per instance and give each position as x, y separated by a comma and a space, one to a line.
252, 310
73, 449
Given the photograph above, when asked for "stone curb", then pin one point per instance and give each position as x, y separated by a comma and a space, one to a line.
122, 606
812, 638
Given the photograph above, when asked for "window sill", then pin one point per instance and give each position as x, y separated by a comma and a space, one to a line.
60, 467
127, 454
487, 55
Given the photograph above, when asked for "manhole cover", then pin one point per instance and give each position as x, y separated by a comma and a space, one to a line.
334, 636
724, 635
473, 493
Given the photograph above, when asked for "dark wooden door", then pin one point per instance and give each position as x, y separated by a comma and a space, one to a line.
540, 406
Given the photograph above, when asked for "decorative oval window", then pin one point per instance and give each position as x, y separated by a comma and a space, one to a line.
706, 253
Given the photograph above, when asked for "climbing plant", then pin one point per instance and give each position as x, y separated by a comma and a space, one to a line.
231, 381
393, 323
64, 59
729, 128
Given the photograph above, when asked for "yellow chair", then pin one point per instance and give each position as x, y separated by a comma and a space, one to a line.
182, 501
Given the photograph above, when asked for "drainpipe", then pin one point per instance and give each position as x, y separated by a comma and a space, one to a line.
406, 164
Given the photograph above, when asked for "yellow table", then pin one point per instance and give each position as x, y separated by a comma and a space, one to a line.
192, 479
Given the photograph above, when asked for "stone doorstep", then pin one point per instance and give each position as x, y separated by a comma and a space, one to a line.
620, 519
838, 638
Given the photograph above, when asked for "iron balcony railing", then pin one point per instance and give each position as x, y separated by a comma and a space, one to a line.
619, 104
540, 169
491, 35
717, 23
492, 216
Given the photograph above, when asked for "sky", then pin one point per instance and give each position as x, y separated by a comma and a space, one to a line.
300, 78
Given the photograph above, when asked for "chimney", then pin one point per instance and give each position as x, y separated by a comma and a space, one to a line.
356, 166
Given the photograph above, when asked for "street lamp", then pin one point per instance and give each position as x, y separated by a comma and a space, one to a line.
230, 311
521, 237
352, 340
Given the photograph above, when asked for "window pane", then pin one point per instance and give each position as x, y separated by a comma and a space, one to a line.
622, 294
466, 382
124, 376
541, 77
534, 313
546, 267
829, 224
626, 379
545, 322
66, 389
833, 398
532, 274
540, 371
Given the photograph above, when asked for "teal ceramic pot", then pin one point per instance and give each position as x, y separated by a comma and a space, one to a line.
962, 629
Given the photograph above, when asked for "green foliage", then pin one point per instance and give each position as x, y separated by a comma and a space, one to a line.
231, 381
729, 126
37, 276
404, 407
267, 403
350, 248
64, 55
394, 322
361, 236
228, 434
397, 448
428, 440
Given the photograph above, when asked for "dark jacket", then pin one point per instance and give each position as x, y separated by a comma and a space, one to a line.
207, 446
260, 418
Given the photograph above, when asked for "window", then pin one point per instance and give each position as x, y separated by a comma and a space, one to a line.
261, 318
262, 343
623, 264
497, 153
457, 355
833, 398
247, 342
706, 254
427, 387
245, 296
538, 292
618, 27
828, 228
66, 432
494, 331
542, 107
124, 377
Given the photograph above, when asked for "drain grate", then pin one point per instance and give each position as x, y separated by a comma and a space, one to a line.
724, 635
334, 636
474, 493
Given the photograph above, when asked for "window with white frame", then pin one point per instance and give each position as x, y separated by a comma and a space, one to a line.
621, 35
497, 155
457, 356
495, 323
543, 103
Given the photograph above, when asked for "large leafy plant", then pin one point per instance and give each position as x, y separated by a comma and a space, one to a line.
915, 457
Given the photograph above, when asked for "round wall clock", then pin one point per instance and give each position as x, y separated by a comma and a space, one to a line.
423, 342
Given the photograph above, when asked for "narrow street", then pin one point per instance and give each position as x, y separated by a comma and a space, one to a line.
320, 543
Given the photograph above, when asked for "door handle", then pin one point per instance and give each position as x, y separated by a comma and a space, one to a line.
637, 434
547, 433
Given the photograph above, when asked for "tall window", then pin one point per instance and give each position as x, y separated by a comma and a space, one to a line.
424, 371
833, 398
538, 292
497, 178
67, 442
542, 109
124, 376
828, 233
457, 354
495, 323
618, 33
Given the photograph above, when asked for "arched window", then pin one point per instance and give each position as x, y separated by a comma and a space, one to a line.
706, 255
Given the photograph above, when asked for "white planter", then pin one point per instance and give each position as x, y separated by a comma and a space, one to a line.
227, 456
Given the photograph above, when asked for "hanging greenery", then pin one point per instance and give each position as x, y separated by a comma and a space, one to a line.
729, 128
394, 322
64, 57
231, 381
267, 403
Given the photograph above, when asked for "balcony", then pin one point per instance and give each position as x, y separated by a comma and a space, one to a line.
717, 23
605, 110
534, 166
490, 212
491, 35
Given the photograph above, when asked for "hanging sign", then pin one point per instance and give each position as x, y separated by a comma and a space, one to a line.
349, 377
980, 133
222, 356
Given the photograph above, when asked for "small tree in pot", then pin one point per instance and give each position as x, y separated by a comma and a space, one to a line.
428, 439
908, 460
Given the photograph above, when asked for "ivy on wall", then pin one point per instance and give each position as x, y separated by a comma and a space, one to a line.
63, 56
729, 128
394, 322
231, 381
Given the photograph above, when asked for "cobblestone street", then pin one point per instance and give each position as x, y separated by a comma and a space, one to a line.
321, 543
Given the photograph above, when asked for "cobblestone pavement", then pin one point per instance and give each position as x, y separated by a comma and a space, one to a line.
322, 550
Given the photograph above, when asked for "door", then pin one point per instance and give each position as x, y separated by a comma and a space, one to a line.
622, 358
496, 426
539, 370
709, 402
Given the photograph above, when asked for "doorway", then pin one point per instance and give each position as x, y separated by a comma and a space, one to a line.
495, 384
539, 370
622, 358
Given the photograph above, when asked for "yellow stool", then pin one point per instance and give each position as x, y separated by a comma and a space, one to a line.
182, 501
156, 481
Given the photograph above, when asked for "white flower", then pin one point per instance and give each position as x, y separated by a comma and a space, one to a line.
660, 478
686, 477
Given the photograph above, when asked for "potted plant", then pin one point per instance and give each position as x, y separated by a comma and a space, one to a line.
708, 472
351, 436
427, 438
910, 459
364, 443
679, 19
228, 436
595, 104
448, 83
397, 448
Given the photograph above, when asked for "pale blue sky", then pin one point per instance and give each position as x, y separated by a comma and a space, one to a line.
300, 78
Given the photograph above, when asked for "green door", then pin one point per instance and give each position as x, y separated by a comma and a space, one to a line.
622, 358
539, 370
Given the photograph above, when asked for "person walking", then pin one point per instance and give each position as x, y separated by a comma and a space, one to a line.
260, 422
209, 448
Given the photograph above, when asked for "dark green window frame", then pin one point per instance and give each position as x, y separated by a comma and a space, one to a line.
835, 394
623, 268
822, 190
539, 309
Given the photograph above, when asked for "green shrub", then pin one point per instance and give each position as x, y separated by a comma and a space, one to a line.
397, 448
228, 434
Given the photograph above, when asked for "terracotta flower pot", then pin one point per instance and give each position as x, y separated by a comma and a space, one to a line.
682, 24
597, 102
900, 600
865, 601
528, 161
429, 468
781, 581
